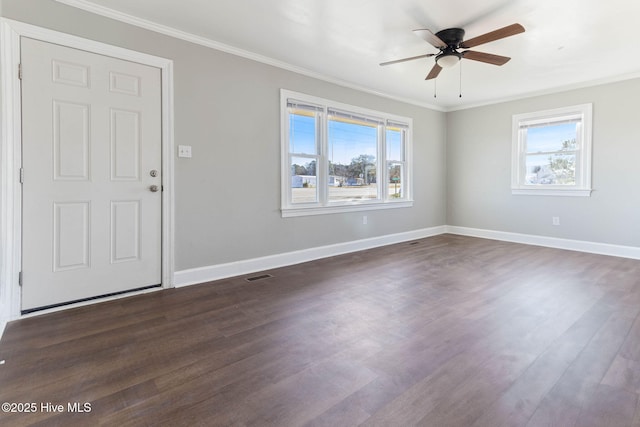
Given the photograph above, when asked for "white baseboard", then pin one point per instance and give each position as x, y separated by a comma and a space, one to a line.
238, 268
215, 272
551, 242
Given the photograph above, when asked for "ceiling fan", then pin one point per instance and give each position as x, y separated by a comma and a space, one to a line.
452, 39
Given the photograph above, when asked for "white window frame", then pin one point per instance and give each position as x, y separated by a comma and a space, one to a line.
323, 204
582, 188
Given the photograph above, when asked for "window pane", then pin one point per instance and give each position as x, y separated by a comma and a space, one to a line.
551, 169
352, 153
544, 139
395, 171
302, 133
351, 191
394, 144
304, 188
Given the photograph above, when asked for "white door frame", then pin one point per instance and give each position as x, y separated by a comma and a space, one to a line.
11, 144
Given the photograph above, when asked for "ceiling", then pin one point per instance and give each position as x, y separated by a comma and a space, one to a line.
567, 43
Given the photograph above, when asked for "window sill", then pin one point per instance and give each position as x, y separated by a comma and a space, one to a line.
323, 210
538, 191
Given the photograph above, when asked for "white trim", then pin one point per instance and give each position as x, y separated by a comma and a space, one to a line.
212, 44
582, 114
215, 272
200, 275
551, 192
322, 205
9, 167
632, 252
550, 91
238, 268
302, 211
203, 41
10, 161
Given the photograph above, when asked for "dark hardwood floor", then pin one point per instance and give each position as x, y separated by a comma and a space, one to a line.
443, 331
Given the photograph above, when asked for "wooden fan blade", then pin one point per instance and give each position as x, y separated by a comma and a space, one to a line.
407, 59
434, 72
489, 58
430, 38
509, 30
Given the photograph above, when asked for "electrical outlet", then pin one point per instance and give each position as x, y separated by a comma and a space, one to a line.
555, 220
184, 151
364, 219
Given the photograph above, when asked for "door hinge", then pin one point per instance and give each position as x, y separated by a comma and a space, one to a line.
20, 278
21, 176
20, 71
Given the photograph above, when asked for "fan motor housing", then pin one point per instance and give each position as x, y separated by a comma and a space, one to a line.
451, 36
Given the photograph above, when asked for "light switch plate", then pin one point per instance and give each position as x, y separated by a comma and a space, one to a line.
184, 151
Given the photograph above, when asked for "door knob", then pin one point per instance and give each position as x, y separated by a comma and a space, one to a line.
154, 188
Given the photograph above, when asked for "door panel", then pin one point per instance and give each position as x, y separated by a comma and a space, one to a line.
71, 235
125, 145
70, 141
91, 136
125, 231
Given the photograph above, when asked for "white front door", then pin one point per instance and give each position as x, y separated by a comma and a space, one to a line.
91, 152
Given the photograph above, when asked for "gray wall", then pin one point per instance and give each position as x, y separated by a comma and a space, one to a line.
227, 106
227, 109
479, 168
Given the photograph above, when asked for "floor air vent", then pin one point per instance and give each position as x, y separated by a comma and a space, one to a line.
260, 277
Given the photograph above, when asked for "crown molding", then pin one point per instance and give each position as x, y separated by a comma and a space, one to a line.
88, 6
212, 44
550, 91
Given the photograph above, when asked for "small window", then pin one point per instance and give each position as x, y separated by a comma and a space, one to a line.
338, 158
552, 152
396, 162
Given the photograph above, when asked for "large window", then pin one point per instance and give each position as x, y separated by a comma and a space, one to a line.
337, 157
552, 152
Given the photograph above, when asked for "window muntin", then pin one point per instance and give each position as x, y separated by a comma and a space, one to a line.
552, 152
338, 157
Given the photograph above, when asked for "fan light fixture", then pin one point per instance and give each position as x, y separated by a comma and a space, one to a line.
448, 60
449, 40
